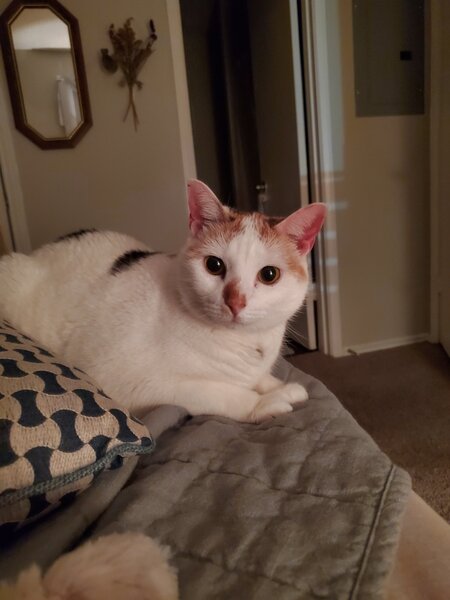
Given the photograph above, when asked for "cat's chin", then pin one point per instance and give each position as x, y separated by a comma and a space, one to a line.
223, 319
226, 320
243, 322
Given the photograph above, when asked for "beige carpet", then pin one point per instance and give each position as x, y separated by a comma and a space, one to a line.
402, 398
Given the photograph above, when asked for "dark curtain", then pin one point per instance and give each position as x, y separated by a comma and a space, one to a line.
234, 93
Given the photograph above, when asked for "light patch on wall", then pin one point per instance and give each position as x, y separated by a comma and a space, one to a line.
39, 28
337, 205
331, 261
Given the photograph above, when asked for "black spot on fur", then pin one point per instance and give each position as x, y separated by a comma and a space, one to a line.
128, 259
75, 234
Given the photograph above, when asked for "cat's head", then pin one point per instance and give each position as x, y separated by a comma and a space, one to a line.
245, 269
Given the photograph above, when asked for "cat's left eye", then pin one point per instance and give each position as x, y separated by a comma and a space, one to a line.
215, 265
269, 275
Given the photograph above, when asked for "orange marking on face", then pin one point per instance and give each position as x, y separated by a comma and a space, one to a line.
224, 230
292, 257
265, 229
269, 235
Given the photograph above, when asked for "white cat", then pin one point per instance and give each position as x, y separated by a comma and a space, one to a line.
201, 329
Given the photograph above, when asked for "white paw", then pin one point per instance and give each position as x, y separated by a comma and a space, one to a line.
267, 408
293, 392
279, 402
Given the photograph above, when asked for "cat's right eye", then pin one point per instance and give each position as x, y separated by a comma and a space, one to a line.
215, 265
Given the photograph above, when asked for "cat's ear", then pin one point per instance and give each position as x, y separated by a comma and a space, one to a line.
204, 207
304, 225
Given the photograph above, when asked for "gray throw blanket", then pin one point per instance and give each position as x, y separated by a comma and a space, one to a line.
303, 506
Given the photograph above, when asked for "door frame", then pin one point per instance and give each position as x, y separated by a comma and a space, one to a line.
435, 62
12, 210
319, 117
181, 89
329, 321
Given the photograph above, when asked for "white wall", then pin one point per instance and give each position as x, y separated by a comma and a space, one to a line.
115, 178
380, 187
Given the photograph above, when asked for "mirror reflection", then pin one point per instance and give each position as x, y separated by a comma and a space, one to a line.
47, 75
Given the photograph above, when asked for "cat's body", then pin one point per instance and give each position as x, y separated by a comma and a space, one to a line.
156, 329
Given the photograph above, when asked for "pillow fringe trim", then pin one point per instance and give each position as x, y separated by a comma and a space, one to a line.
62, 480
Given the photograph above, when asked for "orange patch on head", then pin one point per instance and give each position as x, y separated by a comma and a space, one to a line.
293, 259
265, 227
225, 231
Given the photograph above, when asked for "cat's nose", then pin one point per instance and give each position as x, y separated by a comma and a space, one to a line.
236, 304
233, 298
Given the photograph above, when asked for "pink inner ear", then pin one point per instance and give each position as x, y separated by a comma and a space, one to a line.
204, 207
304, 225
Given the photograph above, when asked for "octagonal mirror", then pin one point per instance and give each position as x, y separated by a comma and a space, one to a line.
45, 71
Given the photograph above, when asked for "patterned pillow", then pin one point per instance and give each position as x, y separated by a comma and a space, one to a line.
58, 430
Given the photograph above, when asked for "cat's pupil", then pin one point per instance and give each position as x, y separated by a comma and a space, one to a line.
269, 274
215, 265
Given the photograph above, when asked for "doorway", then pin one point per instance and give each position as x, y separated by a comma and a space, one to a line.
245, 81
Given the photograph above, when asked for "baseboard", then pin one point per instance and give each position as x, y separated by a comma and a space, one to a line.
385, 344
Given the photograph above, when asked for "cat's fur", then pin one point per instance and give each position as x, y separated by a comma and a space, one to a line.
155, 329
118, 566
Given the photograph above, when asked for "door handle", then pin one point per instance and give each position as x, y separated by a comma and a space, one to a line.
263, 198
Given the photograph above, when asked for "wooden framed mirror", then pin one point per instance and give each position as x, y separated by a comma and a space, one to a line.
45, 71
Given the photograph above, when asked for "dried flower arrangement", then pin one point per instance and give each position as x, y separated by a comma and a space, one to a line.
129, 55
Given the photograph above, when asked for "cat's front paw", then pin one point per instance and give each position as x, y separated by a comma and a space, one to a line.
293, 392
267, 408
278, 402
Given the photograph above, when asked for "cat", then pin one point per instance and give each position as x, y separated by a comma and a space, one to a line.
200, 329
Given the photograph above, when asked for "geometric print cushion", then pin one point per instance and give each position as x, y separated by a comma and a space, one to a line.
58, 430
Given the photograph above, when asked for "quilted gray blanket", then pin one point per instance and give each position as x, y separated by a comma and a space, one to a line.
304, 506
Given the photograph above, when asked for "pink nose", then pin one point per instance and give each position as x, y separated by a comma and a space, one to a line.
233, 298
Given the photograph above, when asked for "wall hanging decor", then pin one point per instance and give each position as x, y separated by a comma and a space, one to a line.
44, 66
129, 54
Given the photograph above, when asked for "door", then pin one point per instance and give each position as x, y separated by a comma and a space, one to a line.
280, 121
244, 75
